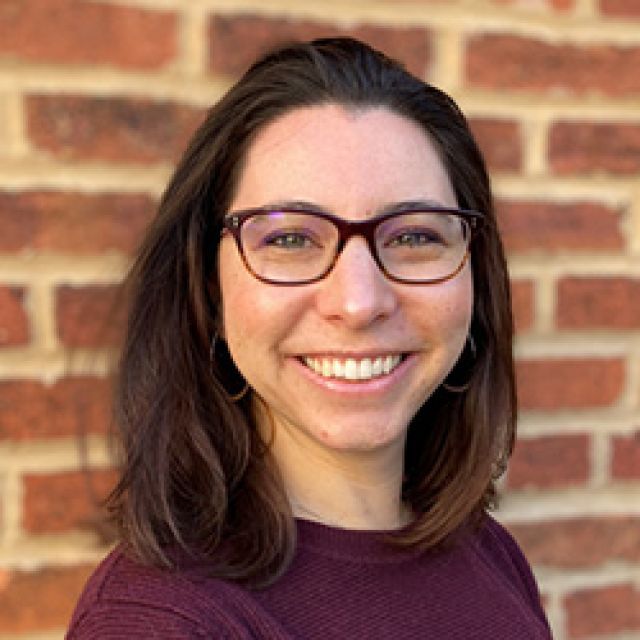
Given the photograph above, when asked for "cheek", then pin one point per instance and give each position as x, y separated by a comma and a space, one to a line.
462, 295
448, 307
241, 314
461, 309
256, 316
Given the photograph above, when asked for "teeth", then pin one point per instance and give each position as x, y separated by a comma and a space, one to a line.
366, 369
352, 369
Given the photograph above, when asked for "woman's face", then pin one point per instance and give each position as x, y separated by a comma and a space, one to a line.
353, 164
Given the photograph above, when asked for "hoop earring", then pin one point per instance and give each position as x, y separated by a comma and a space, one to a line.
455, 387
214, 365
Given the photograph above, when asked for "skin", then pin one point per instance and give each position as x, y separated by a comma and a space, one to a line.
338, 444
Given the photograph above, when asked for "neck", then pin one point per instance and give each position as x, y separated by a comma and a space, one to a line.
358, 518
346, 489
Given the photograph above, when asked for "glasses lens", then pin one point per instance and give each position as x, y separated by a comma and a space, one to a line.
422, 246
288, 247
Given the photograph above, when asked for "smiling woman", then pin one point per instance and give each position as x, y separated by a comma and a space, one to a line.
348, 314
316, 390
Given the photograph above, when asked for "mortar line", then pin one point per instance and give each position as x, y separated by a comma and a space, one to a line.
548, 25
447, 72
193, 42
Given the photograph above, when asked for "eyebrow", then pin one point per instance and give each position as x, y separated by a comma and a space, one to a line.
404, 205
295, 205
413, 205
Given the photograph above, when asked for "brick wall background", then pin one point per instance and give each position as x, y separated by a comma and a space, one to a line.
97, 99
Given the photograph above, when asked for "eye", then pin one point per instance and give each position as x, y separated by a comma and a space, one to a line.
415, 238
290, 239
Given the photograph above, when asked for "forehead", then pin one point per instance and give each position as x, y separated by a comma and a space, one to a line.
337, 156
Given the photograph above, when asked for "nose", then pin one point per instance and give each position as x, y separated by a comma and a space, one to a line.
356, 292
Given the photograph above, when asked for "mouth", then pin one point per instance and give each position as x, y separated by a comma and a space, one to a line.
353, 368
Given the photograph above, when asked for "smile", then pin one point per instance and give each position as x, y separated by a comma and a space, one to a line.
352, 368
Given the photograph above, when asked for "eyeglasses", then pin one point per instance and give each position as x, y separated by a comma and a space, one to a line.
294, 247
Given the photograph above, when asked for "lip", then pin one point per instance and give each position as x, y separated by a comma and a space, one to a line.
377, 385
356, 355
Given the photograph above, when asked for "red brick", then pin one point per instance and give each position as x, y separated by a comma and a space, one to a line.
31, 410
73, 31
60, 502
14, 322
598, 303
603, 610
626, 457
621, 8
90, 316
236, 40
580, 542
73, 222
43, 600
551, 226
500, 142
550, 461
509, 62
522, 301
570, 383
139, 130
593, 147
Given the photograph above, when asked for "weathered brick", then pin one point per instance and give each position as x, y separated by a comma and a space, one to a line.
31, 410
620, 8
42, 600
500, 142
55, 503
549, 462
522, 301
132, 130
90, 316
603, 610
551, 226
14, 320
236, 40
580, 542
625, 464
511, 62
598, 303
73, 222
594, 147
569, 383
69, 31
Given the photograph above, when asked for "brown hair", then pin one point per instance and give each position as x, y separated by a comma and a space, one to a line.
195, 472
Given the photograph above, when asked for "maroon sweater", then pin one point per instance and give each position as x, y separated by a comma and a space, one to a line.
342, 585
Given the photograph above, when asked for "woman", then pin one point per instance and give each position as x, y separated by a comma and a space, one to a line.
316, 390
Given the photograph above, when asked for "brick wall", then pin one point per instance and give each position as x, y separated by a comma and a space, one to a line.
96, 101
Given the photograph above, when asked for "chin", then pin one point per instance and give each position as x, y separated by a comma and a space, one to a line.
359, 439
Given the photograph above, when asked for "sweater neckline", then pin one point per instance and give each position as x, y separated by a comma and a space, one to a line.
351, 544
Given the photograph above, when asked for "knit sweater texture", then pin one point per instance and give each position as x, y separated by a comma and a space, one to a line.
342, 584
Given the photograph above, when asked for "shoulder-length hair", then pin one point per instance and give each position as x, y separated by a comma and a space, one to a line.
195, 471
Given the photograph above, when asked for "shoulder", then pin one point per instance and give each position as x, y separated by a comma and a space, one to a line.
501, 552
127, 599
